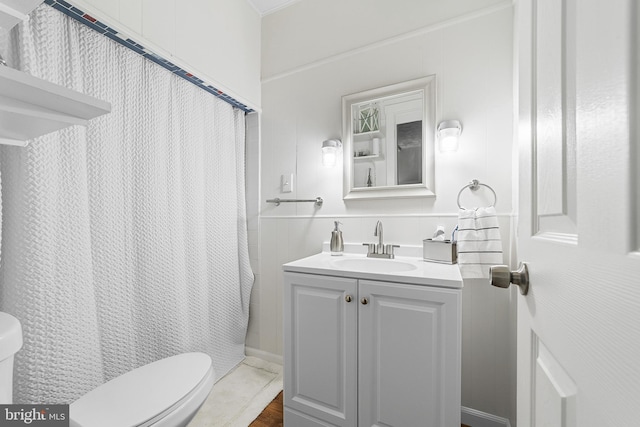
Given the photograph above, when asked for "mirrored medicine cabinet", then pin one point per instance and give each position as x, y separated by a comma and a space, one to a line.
388, 136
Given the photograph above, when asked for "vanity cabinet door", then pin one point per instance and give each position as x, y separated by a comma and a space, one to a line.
320, 350
409, 355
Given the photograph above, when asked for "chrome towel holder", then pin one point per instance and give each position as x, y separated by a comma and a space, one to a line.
473, 186
317, 201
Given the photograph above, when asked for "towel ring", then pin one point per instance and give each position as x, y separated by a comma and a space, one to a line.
473, 186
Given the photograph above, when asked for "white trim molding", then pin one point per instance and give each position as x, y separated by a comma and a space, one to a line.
264, 355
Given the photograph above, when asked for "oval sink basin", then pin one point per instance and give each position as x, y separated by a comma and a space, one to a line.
373, 265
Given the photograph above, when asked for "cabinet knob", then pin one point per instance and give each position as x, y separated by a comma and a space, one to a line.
348, 298
364, 301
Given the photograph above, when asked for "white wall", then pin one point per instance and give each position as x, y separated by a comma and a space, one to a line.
216, 40
470, 50
310, 30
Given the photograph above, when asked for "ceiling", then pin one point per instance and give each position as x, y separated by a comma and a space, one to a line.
267, 6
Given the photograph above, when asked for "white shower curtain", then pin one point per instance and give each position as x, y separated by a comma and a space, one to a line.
123, 242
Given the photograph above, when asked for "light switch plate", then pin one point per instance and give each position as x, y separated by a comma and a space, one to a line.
287, 183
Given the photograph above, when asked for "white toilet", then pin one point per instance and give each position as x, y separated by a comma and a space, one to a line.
165, 393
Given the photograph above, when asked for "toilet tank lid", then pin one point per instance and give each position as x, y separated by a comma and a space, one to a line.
136, 397
10, 335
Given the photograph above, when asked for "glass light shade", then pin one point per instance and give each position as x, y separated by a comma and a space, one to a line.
329, 155
448, 134
330, 152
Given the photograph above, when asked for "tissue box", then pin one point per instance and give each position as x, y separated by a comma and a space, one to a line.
443, 251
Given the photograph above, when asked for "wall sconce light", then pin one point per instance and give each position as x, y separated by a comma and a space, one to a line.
330, 149
448, 134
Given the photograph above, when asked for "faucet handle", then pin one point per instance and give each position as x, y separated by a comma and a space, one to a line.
371, 247
388, 249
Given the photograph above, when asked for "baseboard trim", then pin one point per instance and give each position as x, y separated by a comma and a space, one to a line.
260, 354
477, 418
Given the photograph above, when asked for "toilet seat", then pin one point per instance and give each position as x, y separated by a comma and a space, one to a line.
147, 395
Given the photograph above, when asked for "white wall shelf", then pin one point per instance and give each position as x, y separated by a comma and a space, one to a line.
367, 135
368, 156
13, 12
31, 107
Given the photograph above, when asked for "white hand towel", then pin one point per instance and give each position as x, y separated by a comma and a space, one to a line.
479, 244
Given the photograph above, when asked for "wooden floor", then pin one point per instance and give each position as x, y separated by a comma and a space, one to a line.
272, 415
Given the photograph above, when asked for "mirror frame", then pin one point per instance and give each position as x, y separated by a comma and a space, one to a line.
426, 189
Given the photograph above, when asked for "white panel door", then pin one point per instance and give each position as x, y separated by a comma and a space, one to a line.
408, 355
579, 326
320, 354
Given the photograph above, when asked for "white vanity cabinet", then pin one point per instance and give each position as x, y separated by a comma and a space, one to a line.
320, 350
362, 352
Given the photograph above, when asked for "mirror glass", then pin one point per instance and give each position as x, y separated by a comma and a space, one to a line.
388, 136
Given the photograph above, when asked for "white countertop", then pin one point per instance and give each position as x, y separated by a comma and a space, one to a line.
421, 272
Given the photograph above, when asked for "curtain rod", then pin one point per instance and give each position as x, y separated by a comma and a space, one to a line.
91, 22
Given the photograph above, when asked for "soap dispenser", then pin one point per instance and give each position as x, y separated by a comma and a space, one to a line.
337, 244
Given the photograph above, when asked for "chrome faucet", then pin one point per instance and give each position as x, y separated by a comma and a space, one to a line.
378, 233
380, 250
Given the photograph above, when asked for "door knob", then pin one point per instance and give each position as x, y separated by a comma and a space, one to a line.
348, 298
502, 277
364, 301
